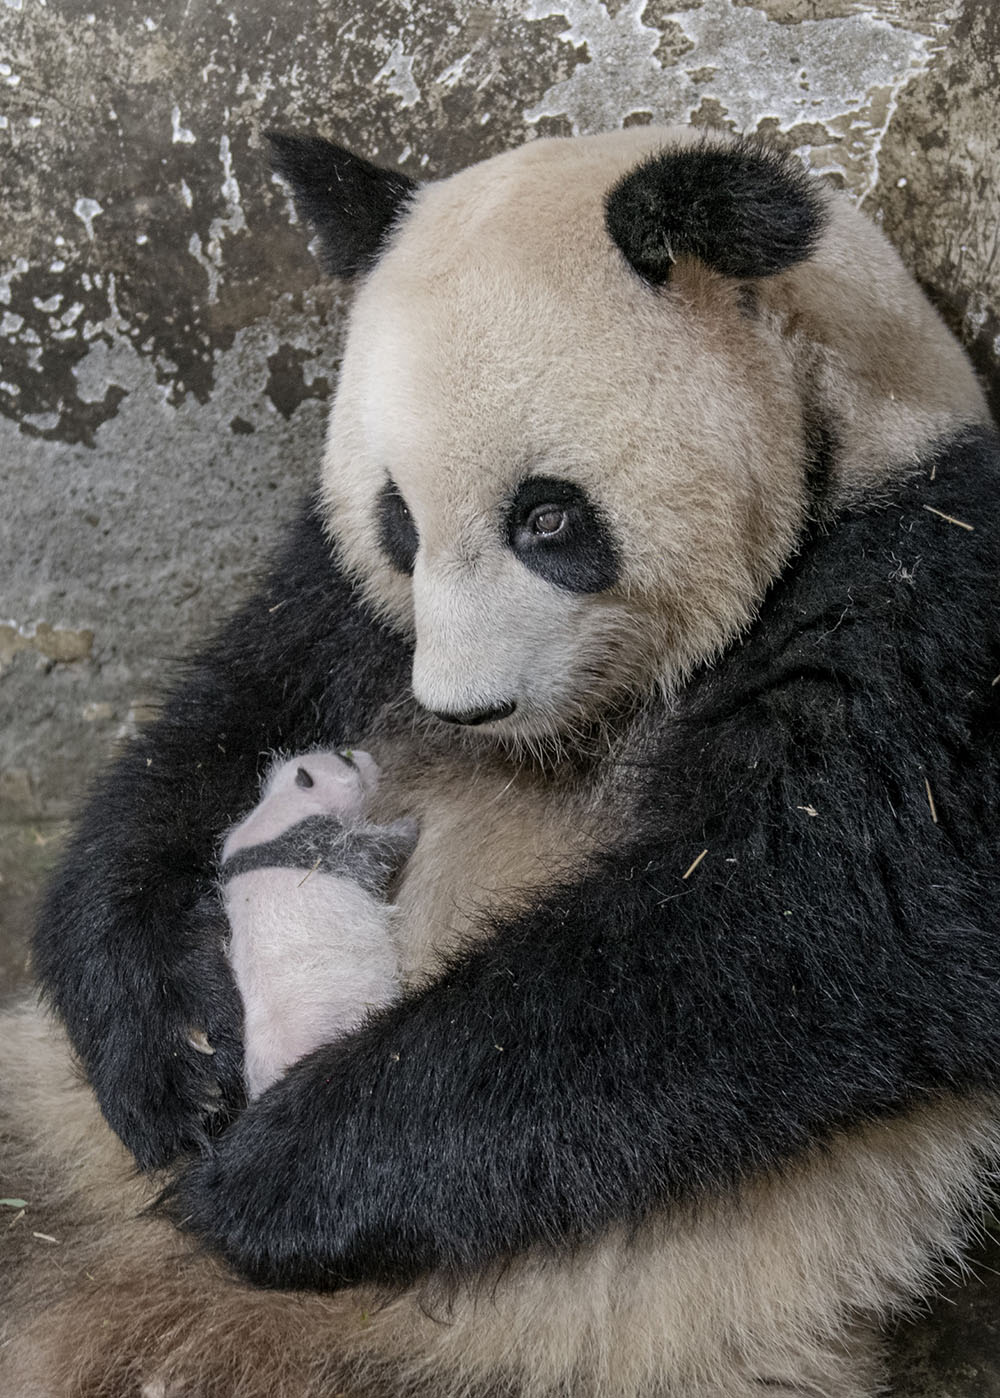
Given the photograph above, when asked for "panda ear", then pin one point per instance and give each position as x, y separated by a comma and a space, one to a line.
745, 209
351, 203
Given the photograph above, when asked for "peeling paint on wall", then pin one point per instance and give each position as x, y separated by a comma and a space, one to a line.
843, 74
234, 221
55, 643
397, 74
86, 211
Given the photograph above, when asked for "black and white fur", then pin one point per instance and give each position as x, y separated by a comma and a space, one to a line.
304, 881
655, 560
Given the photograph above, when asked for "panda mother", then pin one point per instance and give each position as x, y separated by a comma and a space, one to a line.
655, 561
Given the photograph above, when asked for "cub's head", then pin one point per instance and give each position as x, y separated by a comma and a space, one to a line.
592, 391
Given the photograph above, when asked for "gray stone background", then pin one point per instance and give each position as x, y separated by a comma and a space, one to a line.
167, 347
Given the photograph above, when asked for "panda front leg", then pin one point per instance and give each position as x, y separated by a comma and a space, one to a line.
304, 883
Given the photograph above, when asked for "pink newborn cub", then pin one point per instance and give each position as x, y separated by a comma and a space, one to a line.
304, 880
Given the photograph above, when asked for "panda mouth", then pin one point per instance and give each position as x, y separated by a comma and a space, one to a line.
476, 718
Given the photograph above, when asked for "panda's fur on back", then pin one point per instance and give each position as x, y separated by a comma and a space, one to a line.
702, 1090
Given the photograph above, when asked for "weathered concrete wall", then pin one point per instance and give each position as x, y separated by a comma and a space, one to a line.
166, 345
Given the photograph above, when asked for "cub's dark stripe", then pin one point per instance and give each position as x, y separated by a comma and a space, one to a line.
637, 1038
583, 556
351, 203
745, 209
319, 842
396, 530
370, 855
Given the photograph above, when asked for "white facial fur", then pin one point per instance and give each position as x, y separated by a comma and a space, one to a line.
503, 335
311, 952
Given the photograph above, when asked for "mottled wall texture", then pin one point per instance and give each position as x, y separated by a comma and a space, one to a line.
167, 346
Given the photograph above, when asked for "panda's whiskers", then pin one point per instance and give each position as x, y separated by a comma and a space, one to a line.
504, 789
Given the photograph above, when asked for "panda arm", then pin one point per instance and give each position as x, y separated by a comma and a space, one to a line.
645, 1037
128, 948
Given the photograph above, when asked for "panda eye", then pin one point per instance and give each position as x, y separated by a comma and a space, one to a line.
547, 520
396, 530
558, 532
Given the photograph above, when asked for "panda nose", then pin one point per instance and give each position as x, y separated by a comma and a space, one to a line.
471, 717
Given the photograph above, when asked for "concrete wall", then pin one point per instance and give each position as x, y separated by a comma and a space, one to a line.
166, 345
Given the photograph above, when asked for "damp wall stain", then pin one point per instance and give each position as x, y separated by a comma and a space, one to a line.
141, 210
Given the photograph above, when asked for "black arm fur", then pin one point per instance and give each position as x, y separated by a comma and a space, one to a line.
129, 944
642, 1038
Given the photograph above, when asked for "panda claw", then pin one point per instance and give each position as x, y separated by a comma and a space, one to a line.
198, 1039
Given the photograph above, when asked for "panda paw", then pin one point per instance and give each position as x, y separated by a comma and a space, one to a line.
249, 1199
170, 1080
285, 1196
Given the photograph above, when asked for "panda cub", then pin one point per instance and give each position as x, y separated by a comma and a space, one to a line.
304, 879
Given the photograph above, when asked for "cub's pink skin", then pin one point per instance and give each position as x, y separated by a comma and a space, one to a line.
304, 878
340, 786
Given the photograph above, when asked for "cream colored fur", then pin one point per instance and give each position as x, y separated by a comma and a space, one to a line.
501, 335
491, 832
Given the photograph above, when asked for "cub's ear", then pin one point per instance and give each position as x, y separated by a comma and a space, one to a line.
351, 203
745, 209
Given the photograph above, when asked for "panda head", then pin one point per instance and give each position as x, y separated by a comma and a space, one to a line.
591, 393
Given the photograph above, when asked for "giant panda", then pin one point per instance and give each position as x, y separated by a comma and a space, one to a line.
655, 562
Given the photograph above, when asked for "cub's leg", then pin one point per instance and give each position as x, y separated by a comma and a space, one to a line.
304, 882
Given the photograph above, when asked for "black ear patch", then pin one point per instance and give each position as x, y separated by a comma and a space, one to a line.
745, 209
351, 203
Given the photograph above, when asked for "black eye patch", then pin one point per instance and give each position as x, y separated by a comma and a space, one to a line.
560, 534
397, 532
